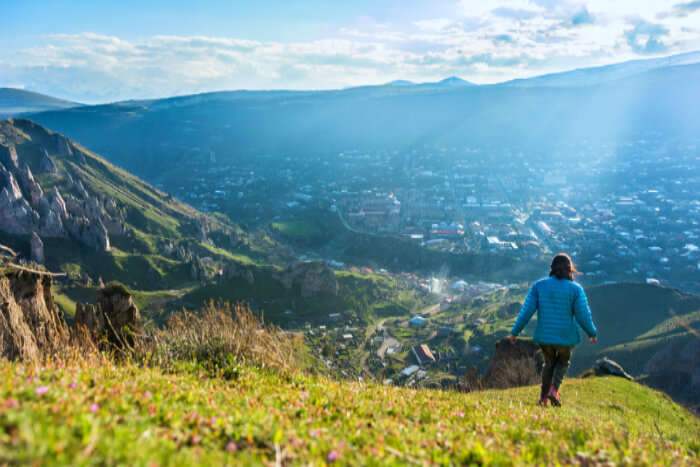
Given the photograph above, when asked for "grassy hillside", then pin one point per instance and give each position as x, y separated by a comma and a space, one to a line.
637, 320
102, 413
361, 297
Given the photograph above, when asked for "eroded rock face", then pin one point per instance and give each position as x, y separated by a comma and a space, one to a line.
313, 278
514, 365
31, 325
115, 322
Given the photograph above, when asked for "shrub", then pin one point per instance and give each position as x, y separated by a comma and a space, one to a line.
221, 338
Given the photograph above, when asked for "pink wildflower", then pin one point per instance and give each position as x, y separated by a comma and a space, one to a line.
196, 439
333, 456
72, 385
148, 395
42, 390
94, 408
13, 403
231, 447
314, 433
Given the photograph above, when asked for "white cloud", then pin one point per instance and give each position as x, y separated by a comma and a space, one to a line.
482, 42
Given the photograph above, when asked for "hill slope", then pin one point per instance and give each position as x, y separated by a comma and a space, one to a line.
96, 220
18, 101
125, 414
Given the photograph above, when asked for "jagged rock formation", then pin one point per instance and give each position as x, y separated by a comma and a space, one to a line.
37, 249
115, 321
25, 208
31, 325
604, 367
514, 365
47, 166
313, 278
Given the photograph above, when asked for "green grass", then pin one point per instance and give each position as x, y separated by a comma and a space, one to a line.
76, 413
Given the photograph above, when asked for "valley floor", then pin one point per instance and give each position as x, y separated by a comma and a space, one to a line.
73, 412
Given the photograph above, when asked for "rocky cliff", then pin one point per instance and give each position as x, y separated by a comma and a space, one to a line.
68, 209
31, 325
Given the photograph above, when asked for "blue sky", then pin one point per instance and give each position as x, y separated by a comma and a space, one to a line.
99, 51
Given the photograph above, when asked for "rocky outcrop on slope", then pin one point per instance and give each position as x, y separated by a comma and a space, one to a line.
313, 278
25, 208
37, 249
606, 367
513, 365
31, 325
115, 321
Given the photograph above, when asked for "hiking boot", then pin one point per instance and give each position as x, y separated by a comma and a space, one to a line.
543, 402
554, 397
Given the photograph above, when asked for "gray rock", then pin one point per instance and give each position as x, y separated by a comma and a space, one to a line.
47, 165
30, 186
8, 156
37, 248
605, 366
58, 205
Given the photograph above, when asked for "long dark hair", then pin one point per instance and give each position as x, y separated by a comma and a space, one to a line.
563, 267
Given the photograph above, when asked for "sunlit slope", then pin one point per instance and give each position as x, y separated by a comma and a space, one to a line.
637, 320
106, 414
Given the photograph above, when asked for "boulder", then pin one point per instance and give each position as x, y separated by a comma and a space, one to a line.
37, 248
31, 325
115, 322
604, 366
514, 365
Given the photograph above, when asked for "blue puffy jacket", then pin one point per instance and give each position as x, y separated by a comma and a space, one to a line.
560, 305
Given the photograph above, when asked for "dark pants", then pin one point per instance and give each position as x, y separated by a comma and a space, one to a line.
556, 362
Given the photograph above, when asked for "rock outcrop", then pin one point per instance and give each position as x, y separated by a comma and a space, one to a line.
115, 321
31, 325
8, 156
36, 248
47, 165
26, 209
606, 367
514, 365
313, 278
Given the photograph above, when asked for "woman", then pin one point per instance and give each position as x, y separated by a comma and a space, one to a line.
560, 304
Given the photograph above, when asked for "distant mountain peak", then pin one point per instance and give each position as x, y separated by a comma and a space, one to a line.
400, 82
454, 81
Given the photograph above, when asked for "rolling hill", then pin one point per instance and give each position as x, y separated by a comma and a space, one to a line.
19, 101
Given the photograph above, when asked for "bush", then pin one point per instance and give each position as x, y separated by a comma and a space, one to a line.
221, 338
